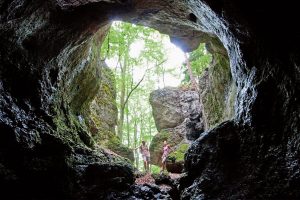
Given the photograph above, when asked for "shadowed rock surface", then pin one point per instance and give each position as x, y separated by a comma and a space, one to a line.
46, 153
101, 114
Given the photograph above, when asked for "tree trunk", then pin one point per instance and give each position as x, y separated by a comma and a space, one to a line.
150, 128
195, 86
127, 126
141, 129
163, 76
192, 78
122, 98
135, 145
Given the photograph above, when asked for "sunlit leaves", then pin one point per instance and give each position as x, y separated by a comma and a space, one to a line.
199, 59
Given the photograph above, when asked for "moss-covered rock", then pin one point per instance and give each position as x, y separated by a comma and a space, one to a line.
115, 145
218, 89
178, 154
100, 113
177, 115
175, 160
173, 138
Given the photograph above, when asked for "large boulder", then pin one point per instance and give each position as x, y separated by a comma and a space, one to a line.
178, 112
177, 115
171, 106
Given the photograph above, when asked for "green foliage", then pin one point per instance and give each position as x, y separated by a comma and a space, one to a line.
199, 59
155, 169
178, 155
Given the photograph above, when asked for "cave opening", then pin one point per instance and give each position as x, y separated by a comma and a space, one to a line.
51, 88
152, 91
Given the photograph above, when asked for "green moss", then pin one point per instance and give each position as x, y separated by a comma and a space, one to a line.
178, 155
115, 145
156, 145
217, 90
88, 84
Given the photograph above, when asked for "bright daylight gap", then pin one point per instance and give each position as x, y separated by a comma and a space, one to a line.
144, 60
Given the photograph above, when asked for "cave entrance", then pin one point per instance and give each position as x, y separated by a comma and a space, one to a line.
139, 62
142, 60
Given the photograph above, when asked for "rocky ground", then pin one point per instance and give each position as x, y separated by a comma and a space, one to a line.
167, 183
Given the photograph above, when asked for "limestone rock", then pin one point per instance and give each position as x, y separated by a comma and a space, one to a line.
101, 114
218, 89
177, 115
171, 106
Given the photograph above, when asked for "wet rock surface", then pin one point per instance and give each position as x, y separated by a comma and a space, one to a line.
168, 184
44, 149
213, 162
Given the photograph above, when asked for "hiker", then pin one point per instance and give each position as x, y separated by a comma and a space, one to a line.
166, 151
144, 150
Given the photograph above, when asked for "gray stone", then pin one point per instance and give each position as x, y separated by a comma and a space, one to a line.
171, 106
176, 113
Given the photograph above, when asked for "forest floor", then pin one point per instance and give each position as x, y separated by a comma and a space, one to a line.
147, 178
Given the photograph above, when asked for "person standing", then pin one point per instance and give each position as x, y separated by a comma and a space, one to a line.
144, 150
166, 151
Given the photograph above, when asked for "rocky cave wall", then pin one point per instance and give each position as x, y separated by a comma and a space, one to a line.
46, 152
50, 72
100, 115
217, 87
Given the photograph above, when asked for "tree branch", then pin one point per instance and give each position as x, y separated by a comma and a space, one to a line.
131, 91
137, 85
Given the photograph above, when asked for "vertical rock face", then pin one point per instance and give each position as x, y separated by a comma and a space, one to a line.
177, 117
46, 153
101, 114
103, 110
254, 155
218, 88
